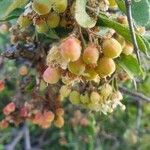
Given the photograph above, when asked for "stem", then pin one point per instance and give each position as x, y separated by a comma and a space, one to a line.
134, 95
132, 31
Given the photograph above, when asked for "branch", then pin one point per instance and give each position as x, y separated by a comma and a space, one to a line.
27, 142
12, 145
134, 95
131, 26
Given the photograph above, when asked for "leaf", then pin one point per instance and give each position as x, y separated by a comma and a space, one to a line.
121, 5
130, 64
81, 16
123, 31
141, 12
9, 6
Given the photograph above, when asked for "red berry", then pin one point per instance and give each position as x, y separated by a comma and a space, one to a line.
70, 49
51, 75
9, 108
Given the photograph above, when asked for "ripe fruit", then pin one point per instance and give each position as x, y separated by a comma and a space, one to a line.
76, 67
51, 75
2, 85
38, 118
9, 108
128, 48
48, 116
24, 21
42, 7
24, 112
106, 66
84, 98
4, 124
95, 97
91, 54
74, 97
70, 49
53, 20
59, 122
60, 5
41, 26
111, 48
23, 70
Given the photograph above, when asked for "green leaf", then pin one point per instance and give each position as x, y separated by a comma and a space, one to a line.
121, 5
141, 12
130, 64
8, 6
123, 31
81, 16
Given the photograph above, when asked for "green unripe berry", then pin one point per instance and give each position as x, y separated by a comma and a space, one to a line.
60, 5
84, 98
24, 21
53, 20
74, 97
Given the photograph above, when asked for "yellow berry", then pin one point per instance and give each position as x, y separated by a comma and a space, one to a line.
128, 48
76, 67
42, 7
95, 97
41, 26
84, 98
24, 21
59, 122
111, 48
106, 67
60, 5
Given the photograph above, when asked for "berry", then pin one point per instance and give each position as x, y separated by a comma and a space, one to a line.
23, 70
95, 97
48, 116
120, 39
106, 67
59, 122
128, 49
53, 20
122, 20
84, 98
90, 74
38, 118
64, 91
60, 5
74, 97
51, 75
2, 85
4, 124
91, 54
70, 49
24, 21
41, 26
42, 7
59, 111
9, 108
77, 67
23, 112
111, 48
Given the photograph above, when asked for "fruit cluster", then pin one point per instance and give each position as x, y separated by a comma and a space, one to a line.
72, 64
44, 118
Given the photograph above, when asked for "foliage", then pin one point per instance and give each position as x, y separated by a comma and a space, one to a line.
73, 75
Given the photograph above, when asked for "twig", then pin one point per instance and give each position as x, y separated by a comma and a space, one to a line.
134, 95
27, 143
131, 26
12, 145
